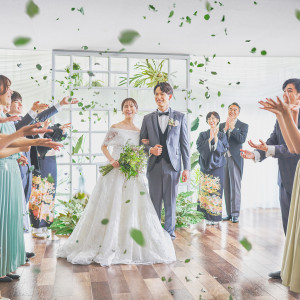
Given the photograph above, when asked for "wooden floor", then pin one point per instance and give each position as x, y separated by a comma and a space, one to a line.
219, 267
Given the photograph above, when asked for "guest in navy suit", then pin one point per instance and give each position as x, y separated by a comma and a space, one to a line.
276, 147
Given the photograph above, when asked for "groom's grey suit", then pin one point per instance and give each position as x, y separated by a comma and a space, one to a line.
163, 171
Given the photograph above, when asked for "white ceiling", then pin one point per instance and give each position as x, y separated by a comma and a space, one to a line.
271, 25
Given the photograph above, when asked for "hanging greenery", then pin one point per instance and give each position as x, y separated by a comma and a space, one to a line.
150, 73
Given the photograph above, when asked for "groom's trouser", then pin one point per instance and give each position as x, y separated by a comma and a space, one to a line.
163, 186
285, 202
232, 187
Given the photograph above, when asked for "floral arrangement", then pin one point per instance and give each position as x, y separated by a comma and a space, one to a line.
71, 212
173, 123
132, 161
209, 196
186, 211
41, 203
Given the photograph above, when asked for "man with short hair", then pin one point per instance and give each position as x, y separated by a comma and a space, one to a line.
167, 132
236, 132
276, 147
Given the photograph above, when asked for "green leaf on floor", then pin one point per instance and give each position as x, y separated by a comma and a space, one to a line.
163, 278
187, 279
142, 193
170, 279
137, 236
246, 244
104, 221
187, 260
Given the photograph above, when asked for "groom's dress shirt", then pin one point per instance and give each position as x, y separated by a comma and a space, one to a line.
163, 119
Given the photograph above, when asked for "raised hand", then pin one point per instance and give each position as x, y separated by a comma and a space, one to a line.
262, 146
65, 127
156, 150
10, 119
216, 131
115, 163
68, 100
247, 154
24, 148
39, 106
211, 134
33, 129
48, 143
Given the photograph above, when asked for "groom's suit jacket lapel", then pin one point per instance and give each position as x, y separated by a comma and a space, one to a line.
155, 122
172, 115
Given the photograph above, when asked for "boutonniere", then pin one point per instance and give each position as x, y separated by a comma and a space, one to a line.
173, 122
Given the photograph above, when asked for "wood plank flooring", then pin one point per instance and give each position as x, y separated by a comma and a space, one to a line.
219, 267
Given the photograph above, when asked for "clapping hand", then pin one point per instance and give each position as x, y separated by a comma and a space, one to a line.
262, 146
68, 100
22, 161
247, 154
9, 119
229, 124
37, 106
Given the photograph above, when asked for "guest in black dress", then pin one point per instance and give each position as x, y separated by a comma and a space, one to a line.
212, 146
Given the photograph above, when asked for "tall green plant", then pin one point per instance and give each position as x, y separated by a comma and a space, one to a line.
149, 74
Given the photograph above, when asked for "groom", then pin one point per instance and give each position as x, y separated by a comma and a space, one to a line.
167, 132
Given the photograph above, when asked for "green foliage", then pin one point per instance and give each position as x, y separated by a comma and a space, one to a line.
186, 211
78, 145
77, 77
246, 244
194, 159
195, 124
149, 74
72, 210
39, 67
297, 14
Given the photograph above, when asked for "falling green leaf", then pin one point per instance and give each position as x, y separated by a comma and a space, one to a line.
137, 236
195, 124
246, 244
142, 193
39, 67
19, 65
188, 19
189, 111
238, 83
32, 9
255, 3
151, 7
223, 19
222, 105
208, 6
31, 169
297, 13
144, 17
84, 47
45, 77
163, 278
125, 251
171, 14
76, 241
104, 221
181, 24
195, 13
81, 10
127, 37
187, 260
21, 41
127, 201
187, 279
214, 73
91, 73
230, 297
225, 30
200, 65
207, 17
50, 179
219, 93
191, 70
253, 50
247, 41
73, 8
170, 279
263, 52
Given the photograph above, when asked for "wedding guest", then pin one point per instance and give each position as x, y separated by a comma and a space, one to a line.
212, 146
286, 113
276, 147
42, 212
236, 133
12, 250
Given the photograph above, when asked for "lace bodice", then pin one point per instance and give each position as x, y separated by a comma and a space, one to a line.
117, 138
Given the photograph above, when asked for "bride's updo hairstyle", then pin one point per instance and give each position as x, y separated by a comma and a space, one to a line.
129, 100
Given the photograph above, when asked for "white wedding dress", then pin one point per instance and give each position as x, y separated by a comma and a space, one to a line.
91, 241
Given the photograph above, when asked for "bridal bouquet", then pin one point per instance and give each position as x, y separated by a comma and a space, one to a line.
132, 161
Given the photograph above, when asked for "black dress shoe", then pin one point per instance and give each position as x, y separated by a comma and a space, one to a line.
226, 218
27, 259
275, 275
5, 279
13, 276
235, 219
30, 254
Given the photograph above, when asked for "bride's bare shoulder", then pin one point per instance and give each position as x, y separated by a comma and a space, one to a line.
117, 125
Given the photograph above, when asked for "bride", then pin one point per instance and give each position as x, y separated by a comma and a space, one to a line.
126, 205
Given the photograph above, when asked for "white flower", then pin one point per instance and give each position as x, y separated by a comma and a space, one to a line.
173, 123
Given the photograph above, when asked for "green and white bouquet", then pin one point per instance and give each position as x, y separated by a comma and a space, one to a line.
132, 161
